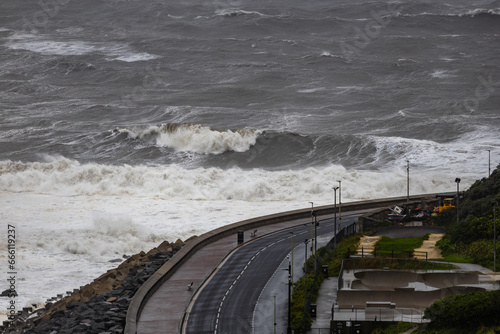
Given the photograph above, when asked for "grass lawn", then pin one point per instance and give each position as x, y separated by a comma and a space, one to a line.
404, 246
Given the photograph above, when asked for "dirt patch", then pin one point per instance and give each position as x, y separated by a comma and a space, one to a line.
367, 244
429, 246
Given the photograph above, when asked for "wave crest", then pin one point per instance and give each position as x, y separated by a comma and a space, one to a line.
197, 138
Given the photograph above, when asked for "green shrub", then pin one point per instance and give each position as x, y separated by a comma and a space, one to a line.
471, 311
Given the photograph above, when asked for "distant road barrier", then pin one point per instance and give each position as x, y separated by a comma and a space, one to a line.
172, 265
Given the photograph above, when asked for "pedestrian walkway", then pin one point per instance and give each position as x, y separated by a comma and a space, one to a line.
326, 297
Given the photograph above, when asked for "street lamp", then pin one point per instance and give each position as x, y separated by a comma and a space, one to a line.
340, 205
335, 217
407, 180
292, 257
312, 226
305, 280
489, 163
290, 280
457, 180
495, 236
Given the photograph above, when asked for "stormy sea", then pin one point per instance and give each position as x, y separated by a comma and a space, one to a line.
124, 122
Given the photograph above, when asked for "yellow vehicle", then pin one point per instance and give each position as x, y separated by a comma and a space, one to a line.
447, 204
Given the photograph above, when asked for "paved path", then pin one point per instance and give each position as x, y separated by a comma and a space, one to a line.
326, 297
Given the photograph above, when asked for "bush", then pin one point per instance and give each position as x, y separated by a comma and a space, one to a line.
471, 311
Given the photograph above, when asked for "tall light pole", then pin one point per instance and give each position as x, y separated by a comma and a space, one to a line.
489, 163
312, 226
290, 280
495, 237
457, 180
292, 258
335, 216
340, 205
407, 180
305, 280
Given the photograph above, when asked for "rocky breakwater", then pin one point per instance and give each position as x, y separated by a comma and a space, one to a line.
100, 306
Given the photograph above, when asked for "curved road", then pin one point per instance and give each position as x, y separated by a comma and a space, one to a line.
226, 303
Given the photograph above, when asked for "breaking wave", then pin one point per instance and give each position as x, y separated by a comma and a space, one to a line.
64, 177
197, 138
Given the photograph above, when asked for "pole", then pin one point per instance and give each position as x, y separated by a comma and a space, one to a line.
495, 237
289, 328
457, 180
305, 285
292, 257
335, 217
274, 314
315, 244
340, 205
489, 163
312, 226
407, 180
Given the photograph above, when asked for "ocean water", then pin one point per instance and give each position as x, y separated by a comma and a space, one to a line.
125, 123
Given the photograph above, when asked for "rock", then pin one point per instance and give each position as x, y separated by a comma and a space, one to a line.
179, 243
101, 306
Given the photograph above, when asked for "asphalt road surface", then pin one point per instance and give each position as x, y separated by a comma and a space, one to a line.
226, 303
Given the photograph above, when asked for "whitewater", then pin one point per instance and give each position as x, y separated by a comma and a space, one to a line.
126, 123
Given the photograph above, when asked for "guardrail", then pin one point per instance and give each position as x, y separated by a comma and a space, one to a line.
172, 265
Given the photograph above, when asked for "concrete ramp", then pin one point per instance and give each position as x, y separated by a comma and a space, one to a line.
403, 288
385, 279
445, 280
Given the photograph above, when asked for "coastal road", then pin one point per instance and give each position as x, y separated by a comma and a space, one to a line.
227, 302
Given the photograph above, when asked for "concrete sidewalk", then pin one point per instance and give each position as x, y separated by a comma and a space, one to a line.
326, 297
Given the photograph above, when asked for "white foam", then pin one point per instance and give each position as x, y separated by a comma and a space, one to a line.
238, 12
442, 74
113, 51
198, 138
466, 156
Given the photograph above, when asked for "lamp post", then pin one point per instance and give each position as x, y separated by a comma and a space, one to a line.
335, 216
340, 205
489, 163
457, 180
407, 180
305, 280
495, 236
291, 272
312, 226
290, 280
315, 243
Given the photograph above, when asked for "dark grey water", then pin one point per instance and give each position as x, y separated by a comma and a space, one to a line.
261, 84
